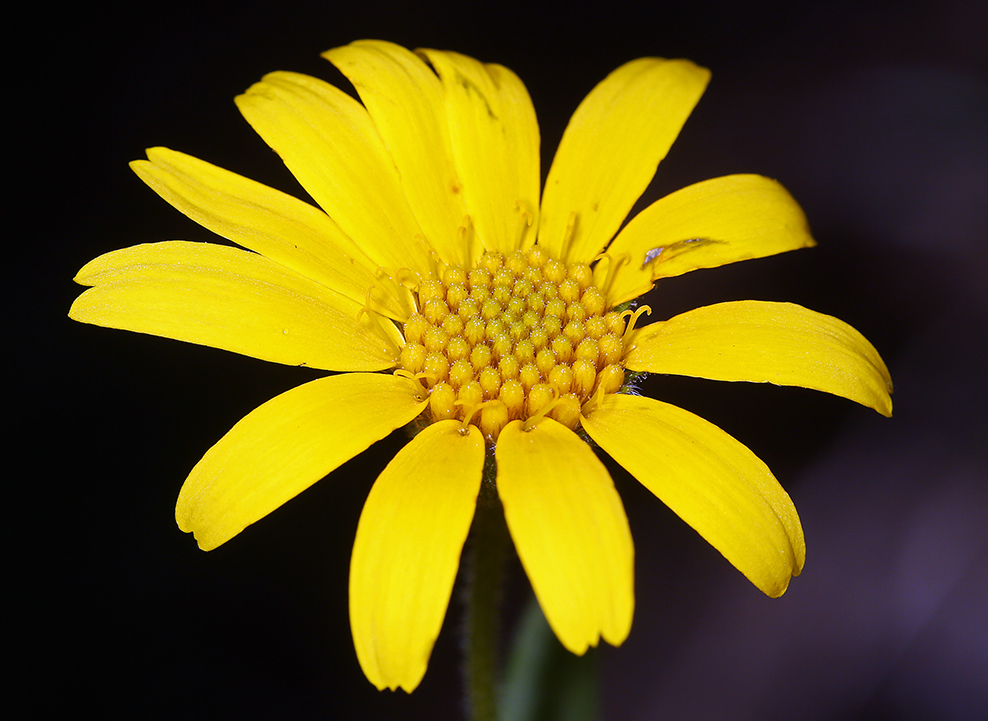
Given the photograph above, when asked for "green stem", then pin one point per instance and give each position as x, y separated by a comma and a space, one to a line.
485, 568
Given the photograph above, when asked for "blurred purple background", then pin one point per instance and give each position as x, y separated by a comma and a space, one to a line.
874, 117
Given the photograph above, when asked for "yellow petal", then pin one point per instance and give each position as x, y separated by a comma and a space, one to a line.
407, 551
570, 531
610, 151
267, 221
231, 299
762, 342
712, 223
329, 142
405, 101
284, 446
710, 480
495, 141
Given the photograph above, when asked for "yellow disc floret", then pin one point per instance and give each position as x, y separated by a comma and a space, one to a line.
517, 337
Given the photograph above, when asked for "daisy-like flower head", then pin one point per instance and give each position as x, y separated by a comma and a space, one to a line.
443, 290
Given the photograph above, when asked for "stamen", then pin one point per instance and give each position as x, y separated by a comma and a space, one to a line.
406, 276
436, 263
467, 236
525, 223
386, 285
473, 408
595, 400
374, 317
534, 419
634, 319
613, 263
568, 234
402, 373
405, 282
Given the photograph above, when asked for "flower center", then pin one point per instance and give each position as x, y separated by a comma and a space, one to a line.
521, 336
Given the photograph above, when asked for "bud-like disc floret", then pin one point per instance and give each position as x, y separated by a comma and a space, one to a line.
520, 337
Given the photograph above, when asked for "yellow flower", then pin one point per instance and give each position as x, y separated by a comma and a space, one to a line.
501, 316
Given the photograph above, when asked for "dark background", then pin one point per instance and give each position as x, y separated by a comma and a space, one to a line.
874, 115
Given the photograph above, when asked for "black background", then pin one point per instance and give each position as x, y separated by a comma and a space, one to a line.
874, 116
